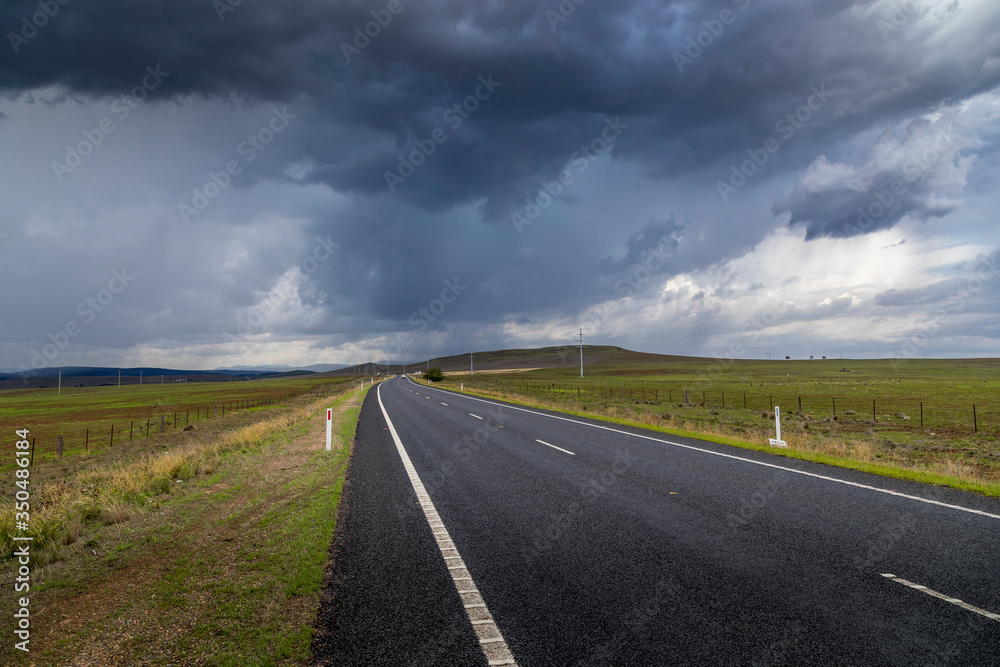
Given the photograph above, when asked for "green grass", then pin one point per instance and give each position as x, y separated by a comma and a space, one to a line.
947, 449
84, 416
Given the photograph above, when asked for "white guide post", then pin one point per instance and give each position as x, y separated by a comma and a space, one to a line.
777, 441
329, 429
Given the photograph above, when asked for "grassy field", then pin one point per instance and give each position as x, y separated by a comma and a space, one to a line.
204, 547
88, 418
916, 416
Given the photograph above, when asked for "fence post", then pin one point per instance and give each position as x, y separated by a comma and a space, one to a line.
921, 414
800, 404
161, 423
147, 427
112, 436
59, 446
874, 418
975, 423
86, 443
31, 457
834, 406
130, 425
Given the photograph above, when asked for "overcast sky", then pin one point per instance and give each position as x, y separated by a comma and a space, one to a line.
198, 184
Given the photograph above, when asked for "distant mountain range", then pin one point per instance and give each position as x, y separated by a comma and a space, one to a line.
96, 376
89, 371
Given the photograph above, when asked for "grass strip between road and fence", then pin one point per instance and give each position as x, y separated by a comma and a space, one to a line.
922, 476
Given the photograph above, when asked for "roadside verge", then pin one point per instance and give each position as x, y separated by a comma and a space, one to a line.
223, 568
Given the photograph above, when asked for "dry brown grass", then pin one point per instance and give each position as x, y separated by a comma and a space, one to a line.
110, 494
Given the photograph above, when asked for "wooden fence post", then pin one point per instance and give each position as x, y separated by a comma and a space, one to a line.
59, 446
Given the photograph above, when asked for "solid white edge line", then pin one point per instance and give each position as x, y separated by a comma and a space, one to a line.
554, 447
947, 598
736, 458
497, 652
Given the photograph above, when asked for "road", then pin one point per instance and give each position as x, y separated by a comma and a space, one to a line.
585, 543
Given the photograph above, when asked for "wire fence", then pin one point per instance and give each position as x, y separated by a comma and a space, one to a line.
979, 416
85, 436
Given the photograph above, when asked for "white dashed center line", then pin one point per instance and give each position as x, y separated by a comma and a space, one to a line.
554, 447
476, 416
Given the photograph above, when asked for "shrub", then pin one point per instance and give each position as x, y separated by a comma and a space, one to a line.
433, 374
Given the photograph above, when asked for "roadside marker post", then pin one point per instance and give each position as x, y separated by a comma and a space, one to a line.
777, 441
329, 429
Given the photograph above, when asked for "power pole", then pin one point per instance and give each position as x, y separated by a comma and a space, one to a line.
472, 371
581, 352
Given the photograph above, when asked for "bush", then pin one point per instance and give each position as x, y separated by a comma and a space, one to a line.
433, 374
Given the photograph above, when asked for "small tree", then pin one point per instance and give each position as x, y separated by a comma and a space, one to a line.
787, 357
433, 374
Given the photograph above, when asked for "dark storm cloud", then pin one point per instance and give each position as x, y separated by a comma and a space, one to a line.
690, 106
907, 176
498, 102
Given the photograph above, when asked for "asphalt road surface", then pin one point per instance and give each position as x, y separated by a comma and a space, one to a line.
575, 542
